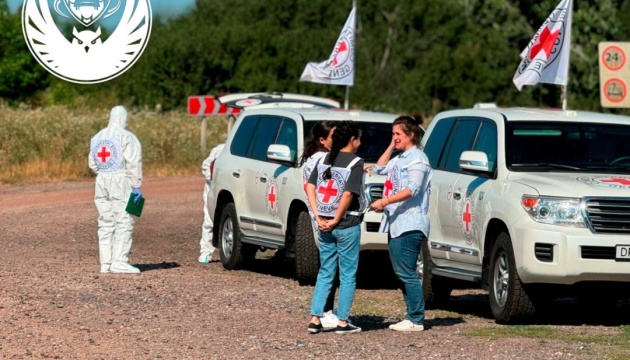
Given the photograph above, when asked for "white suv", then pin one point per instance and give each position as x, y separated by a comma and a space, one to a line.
528, 203
257, 194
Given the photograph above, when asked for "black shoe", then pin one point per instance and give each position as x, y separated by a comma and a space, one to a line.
348, 329
315, 328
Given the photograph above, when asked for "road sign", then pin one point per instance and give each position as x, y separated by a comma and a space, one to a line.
614, 74
205, 105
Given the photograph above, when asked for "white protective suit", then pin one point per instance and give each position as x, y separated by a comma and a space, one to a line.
116, 158
205, 245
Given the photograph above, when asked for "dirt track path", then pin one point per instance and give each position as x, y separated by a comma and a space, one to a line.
55, 304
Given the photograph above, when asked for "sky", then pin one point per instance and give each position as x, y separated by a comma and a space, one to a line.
163, 8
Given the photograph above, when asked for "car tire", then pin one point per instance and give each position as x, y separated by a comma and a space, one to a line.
306, 251
437, 289
509, 301
230, 245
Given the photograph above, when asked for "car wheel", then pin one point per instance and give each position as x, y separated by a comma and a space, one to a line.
508, 299
230, 238
306, 251
437, 289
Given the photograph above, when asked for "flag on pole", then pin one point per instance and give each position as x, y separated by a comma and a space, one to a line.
339, 68
546, 58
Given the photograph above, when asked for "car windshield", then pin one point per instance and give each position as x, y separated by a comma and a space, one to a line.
560, 146
375, 137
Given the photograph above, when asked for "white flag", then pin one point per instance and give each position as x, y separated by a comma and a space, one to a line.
339, 68
546, 58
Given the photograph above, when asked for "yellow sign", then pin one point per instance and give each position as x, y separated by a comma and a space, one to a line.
614, 74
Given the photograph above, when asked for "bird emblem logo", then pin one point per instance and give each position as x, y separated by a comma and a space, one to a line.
92, 52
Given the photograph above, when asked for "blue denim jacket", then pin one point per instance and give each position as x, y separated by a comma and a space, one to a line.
411, 214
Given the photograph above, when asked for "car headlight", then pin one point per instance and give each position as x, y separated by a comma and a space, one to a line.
554, 210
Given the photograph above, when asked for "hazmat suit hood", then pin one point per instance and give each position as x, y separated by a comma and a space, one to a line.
118, 117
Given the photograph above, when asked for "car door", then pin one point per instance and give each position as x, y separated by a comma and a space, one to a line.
265, 133
441, 185
469, 196
446, 175
275, 182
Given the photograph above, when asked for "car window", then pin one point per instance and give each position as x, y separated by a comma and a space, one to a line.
437, 140
375, 138
487, 142
461, 139
288, 136
264, 136
243, 136
578, 146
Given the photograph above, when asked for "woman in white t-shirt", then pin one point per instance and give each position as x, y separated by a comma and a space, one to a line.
316, 145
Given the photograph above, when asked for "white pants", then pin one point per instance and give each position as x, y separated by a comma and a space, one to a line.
115, 225
205, 245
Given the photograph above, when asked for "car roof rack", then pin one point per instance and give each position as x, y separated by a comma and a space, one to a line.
275, 99
482, 105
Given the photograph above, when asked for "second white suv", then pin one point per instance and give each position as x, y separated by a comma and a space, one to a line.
257, 194
530, 204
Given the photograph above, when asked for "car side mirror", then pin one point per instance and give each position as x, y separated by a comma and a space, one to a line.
280, 153
476, 161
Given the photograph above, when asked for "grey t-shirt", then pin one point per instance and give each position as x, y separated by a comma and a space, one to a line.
353, 185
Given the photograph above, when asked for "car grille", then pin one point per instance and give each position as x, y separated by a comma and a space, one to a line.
608, 215
372, 226
374, 192
598, 252
543, 252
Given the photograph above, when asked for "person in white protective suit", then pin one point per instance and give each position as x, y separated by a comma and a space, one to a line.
205, 245
116, 158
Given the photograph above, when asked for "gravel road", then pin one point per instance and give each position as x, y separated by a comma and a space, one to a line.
55, 304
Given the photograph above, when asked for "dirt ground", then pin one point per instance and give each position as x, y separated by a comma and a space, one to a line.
55, 304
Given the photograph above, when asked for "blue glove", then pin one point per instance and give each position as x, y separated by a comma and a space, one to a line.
138, 195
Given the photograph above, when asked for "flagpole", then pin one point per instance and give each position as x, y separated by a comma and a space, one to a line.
346, 103
565, 88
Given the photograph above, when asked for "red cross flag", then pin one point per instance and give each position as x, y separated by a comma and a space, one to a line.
339, 68
546, 58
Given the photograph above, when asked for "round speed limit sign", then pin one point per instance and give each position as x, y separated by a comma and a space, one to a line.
613, 58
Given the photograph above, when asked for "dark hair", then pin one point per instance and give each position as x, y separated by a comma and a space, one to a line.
344, 131
411, 127
321, 129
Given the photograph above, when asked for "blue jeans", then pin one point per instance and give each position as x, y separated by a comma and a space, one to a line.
403, 252
337, 249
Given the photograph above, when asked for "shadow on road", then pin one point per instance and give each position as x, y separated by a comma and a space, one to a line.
561, 311
160, 266
375, 270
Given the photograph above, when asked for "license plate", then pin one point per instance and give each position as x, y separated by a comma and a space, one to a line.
623, 253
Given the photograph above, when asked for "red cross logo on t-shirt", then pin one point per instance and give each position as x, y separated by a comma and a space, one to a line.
104, 154
389, 186
328, 191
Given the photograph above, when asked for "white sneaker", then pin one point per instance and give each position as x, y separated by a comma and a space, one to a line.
206, 257
123, 268
329, 320
105, 268
406, 325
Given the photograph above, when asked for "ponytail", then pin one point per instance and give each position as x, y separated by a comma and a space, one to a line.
344, 132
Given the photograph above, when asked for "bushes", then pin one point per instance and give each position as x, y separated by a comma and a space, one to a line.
49, 144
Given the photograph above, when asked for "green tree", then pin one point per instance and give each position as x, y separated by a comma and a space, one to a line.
20, 74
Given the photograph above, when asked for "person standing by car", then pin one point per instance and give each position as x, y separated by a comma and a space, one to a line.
335, 194
405, 204
317, 145
116, 158
206, 248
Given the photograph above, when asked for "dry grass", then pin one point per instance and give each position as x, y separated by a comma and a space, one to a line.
52, 144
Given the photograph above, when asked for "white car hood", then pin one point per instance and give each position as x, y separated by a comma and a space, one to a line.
574, 184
